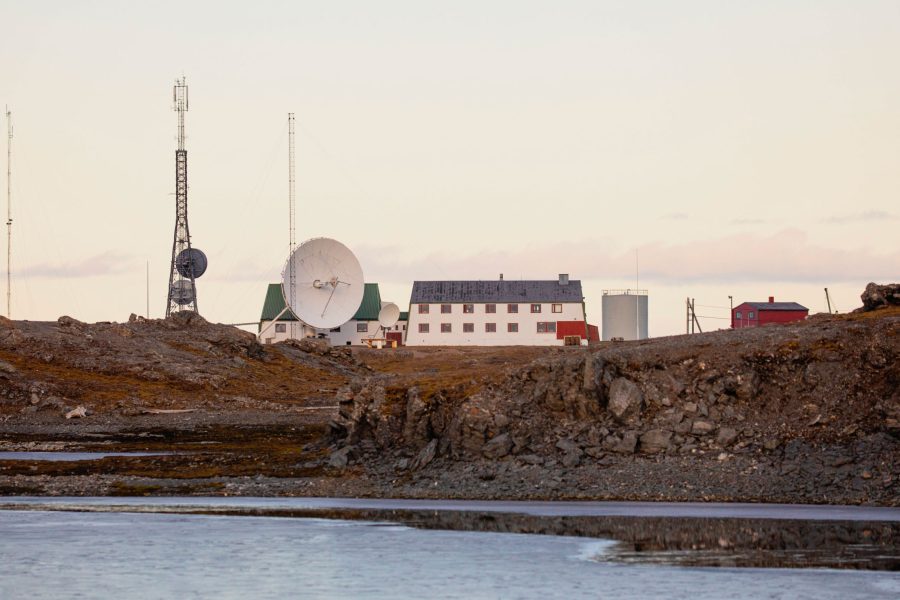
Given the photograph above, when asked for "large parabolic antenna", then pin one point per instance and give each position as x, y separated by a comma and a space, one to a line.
328, 283
389, 315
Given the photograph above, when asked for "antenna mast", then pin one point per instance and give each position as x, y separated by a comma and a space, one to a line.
292, 215
9, 220
182, 291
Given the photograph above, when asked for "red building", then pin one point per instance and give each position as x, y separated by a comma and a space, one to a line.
565, 328
754, 314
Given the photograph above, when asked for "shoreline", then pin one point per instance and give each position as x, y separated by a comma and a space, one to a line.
688, 535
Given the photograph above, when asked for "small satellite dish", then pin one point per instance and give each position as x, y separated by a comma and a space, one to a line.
328, 283
182, 292
188, 258
388, 315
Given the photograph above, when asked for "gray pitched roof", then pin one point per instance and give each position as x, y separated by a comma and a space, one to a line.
500, 291
776, 305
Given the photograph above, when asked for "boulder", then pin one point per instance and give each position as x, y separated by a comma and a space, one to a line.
625, 400
426, 455
498, 447
572, 459
655, 440
627, 444
726, 436
77, 413
567, 445
878, 296
702, 427
340, 458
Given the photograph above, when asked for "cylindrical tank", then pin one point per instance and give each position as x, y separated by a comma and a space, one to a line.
624, 314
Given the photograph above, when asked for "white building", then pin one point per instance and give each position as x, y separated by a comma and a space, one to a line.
496, 313
364, 323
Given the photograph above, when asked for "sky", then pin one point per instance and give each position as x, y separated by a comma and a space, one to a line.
700, 149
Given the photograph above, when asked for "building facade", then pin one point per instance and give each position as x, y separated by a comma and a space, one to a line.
495, 313
364, 323
755, 314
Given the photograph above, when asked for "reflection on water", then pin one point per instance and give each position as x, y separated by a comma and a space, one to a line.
117, 555
862, 538
71, 456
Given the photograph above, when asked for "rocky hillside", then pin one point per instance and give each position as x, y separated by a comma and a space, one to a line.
163, 364
807, 412
815, 403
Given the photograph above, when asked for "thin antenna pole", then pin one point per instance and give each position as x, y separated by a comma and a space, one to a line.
148, 289
9, 219
292, 216
637, 297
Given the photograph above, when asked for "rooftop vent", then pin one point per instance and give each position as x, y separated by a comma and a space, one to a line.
501, 276
563, 279
771, 299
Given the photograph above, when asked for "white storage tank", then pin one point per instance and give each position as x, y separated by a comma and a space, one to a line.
624, 315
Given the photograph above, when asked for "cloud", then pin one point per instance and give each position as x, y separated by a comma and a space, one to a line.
106, 263
784, 256
749, 221
861, 217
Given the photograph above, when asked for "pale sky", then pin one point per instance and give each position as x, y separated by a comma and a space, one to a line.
742, 148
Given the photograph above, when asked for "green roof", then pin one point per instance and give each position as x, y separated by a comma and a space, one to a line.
274, 304
371, 304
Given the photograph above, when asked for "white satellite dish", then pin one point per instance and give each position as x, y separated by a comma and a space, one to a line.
327, 282
388, 315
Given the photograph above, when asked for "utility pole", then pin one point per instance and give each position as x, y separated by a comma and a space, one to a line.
9, 219
828, 300
292, 219
691, 321
687, 316
731, 309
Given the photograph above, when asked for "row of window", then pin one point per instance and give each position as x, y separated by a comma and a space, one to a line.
488, 308
542, 327
750, 315
361, 327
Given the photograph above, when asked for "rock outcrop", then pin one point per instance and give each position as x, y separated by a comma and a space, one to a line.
878, 296
751, 392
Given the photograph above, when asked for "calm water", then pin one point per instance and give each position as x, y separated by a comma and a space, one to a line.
71, 456
129, 555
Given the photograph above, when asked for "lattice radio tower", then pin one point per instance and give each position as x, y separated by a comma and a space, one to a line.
187, 263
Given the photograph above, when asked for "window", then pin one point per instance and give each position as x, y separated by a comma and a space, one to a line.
446, 328
512, 308
546, 327
445, 309
737, 315
490, 328
280, 327
535, 308
362, 327
336, 330
468, 327
490, 308
557, 308
468, 308
512, 327
750, 315
423, 327
423, 309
